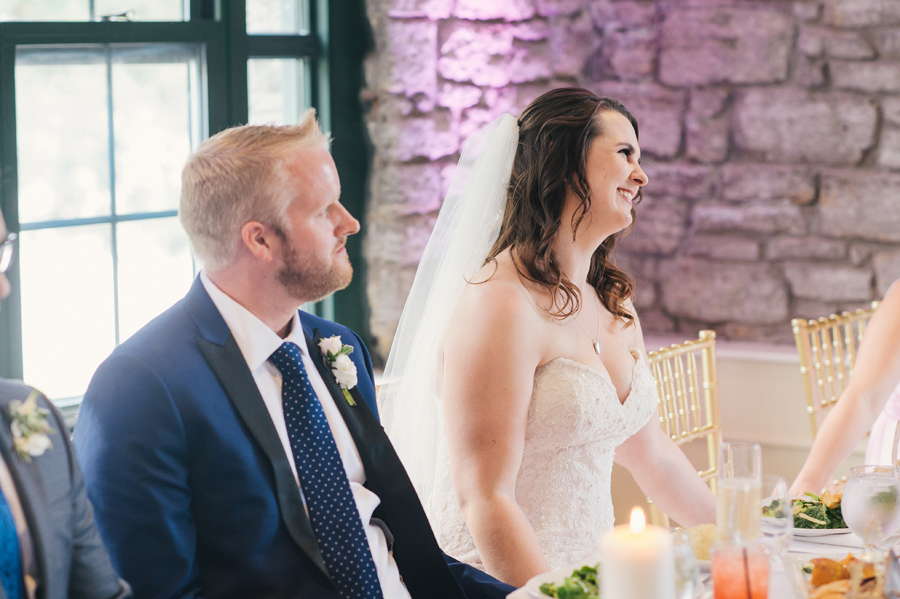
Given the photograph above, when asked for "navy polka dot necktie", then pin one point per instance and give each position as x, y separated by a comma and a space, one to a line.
10, 562
332, 510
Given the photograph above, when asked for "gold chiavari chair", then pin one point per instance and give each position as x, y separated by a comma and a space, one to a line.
689, 401
827, 348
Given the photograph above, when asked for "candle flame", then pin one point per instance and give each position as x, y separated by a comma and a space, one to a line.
638, 520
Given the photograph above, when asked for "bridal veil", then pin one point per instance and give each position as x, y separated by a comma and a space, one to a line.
465, 230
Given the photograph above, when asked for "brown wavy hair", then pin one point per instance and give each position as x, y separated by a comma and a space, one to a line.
555, 134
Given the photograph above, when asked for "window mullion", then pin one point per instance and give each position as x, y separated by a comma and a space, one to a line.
11, 362
220, 27
111, 144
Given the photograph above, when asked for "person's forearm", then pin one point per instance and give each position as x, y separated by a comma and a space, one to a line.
675, 488
842, 429
876, 373
505, 540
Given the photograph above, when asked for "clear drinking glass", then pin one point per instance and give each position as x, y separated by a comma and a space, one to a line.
895, 454
687, 571
778, 517
738, 514
740, 570
871, 505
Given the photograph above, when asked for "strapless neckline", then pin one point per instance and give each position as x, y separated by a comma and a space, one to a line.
600, 374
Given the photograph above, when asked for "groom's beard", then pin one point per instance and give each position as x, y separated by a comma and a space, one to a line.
316, 277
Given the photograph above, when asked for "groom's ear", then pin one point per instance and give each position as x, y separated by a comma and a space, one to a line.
259, 240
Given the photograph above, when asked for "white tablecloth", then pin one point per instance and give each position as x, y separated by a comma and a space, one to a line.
835, 546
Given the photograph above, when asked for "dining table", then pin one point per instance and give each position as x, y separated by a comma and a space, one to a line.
785, 580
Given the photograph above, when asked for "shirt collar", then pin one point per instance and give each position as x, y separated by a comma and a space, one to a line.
254, 338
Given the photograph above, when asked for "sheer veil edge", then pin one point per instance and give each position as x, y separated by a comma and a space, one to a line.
466, 228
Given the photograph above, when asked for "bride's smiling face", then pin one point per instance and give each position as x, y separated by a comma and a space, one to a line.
614, 177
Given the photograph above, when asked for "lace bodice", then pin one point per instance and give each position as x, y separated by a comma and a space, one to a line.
575, 422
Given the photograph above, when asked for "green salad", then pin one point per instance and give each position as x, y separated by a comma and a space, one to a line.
584, 583
814, 512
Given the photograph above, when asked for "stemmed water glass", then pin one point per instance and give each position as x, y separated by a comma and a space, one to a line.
871, 506
778, 515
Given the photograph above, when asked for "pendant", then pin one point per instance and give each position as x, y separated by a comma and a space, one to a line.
596, 347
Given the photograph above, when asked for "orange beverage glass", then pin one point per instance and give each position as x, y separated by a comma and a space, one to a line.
740, 570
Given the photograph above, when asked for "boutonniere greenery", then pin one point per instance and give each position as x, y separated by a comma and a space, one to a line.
343, 368
31, 432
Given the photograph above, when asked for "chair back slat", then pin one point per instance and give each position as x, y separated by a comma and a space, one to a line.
686, 398
827, 347
688, 390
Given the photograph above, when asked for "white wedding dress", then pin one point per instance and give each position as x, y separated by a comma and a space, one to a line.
575, 422
575, 419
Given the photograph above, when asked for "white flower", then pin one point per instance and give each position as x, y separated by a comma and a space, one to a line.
344, 371
30, 429
332, 345
343, 368
36, 444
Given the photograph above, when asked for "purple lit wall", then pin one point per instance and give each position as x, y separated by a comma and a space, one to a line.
770, 130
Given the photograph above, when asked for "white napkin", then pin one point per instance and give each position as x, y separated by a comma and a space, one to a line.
825, 543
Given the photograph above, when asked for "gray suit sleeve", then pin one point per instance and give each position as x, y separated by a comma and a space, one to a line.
91, 575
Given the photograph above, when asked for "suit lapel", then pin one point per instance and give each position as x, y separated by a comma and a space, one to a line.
225, 359
362, 434
32, 499
421, 562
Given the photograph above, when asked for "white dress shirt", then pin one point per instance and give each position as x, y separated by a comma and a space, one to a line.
257, 342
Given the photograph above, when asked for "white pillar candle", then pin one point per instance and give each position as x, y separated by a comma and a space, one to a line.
638, 561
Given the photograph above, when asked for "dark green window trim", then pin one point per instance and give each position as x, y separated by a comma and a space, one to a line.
336, 46
347, 39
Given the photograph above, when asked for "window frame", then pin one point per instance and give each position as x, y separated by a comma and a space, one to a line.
221, 26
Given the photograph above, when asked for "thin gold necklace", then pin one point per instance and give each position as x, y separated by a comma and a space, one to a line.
595, 341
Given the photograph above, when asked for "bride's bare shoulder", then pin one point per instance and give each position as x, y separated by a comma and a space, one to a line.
497, 314
497, 291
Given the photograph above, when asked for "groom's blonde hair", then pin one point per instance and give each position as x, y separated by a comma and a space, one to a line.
237, 176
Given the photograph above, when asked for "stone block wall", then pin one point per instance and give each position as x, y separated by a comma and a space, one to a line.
770, 131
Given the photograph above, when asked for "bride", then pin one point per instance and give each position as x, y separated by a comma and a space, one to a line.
518, 373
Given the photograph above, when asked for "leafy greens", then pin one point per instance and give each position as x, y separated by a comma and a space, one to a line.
584, 583
813, 512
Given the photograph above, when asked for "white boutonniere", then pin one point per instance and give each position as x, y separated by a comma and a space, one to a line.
343, 368
31, 432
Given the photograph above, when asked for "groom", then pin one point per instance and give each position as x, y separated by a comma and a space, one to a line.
232, 446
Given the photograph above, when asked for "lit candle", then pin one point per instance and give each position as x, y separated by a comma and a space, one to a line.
638, 561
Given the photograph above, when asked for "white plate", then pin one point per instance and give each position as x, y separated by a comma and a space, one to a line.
704, 565
820, 532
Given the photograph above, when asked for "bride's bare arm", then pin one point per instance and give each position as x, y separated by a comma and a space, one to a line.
661, 469
490, 356
666, 476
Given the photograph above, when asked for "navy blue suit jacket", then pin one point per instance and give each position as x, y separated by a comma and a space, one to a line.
193, 491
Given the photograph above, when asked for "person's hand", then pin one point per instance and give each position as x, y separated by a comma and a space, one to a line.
837, 485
